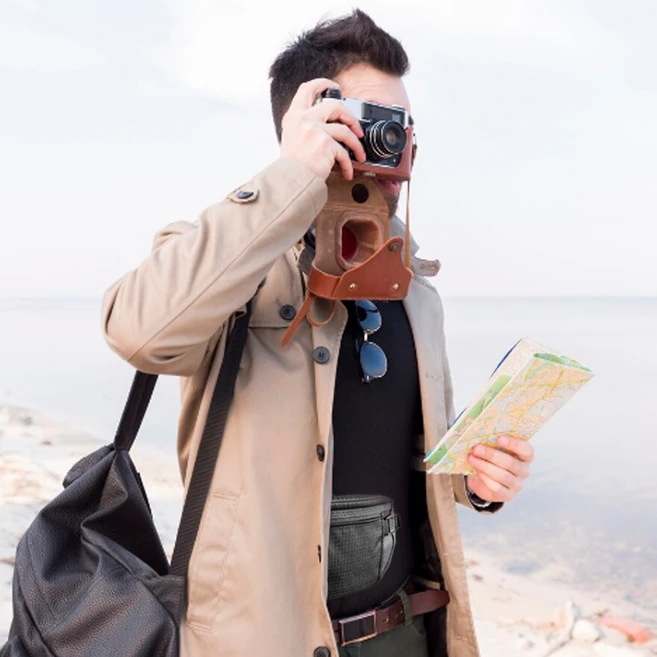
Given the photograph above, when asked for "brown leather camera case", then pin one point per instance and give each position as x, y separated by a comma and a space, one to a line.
355, 256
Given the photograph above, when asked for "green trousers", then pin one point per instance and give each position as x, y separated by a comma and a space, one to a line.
403, 641
408, 640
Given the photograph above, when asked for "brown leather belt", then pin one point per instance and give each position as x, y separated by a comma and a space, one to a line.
377, 621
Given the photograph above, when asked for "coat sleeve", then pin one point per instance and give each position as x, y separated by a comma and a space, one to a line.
161, 316
458, 481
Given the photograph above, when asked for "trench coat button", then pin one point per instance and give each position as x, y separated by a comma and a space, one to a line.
321, 452
321, 355
243, 195
287, 312
322, 651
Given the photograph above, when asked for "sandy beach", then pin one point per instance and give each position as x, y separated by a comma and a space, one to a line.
533, 615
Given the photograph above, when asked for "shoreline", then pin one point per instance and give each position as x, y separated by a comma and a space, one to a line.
531, 615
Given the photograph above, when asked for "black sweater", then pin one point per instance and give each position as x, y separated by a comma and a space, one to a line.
374, 425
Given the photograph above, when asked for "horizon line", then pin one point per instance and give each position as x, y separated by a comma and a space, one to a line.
443, 296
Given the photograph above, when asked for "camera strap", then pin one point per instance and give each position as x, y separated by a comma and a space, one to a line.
383, 276
354, 257
407, 237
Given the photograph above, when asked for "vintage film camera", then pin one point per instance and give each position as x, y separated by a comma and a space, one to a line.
354, 223
355, 257
388, 141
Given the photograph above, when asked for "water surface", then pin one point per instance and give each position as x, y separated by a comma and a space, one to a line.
591, 502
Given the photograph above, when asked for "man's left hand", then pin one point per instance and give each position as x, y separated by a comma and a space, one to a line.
501, 473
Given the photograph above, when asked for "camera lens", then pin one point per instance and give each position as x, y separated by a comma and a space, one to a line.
385, 139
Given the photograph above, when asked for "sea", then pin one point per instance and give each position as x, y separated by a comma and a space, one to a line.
589, 508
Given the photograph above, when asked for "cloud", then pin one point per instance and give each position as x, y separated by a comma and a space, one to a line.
24, 49
558, 25
25, 5
225, 48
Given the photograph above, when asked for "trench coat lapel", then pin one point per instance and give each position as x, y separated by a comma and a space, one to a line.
424, 312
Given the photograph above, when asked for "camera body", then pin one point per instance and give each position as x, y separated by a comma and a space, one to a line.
388, 138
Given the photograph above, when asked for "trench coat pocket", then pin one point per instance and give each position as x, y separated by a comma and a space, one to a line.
208, 566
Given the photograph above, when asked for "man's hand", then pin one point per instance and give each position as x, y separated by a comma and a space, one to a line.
500, 474
316, 134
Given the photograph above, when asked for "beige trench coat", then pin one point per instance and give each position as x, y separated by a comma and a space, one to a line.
257, 580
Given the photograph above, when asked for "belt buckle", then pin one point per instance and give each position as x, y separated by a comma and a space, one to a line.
346, 637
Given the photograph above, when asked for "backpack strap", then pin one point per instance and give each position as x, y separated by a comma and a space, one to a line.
208, 450
139, 397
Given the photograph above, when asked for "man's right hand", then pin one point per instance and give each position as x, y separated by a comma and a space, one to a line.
316, 134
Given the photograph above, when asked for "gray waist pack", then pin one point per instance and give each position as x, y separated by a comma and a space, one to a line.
361, 542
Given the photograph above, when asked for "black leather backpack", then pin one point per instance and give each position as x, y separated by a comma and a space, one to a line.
91, 577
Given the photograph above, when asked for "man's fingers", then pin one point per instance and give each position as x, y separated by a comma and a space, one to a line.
500, 492
334, 111
307, 93
502, 476
345, 136
511, 462
501, 460
522, 448
319, 134
343, 159
503, 469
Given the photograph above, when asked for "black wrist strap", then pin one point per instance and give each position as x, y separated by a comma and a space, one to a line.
213, 432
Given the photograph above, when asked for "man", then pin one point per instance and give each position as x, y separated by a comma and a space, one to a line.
304, 426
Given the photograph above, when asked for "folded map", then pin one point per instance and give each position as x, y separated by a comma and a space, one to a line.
527, 388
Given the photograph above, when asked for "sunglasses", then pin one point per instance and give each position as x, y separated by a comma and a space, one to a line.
373, 361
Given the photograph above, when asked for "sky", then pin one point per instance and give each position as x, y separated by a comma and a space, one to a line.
537, 165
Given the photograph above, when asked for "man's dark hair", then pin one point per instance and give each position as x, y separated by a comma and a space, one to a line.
329, 48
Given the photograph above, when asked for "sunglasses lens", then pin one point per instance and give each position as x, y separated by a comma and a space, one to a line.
373, 362
368, 316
